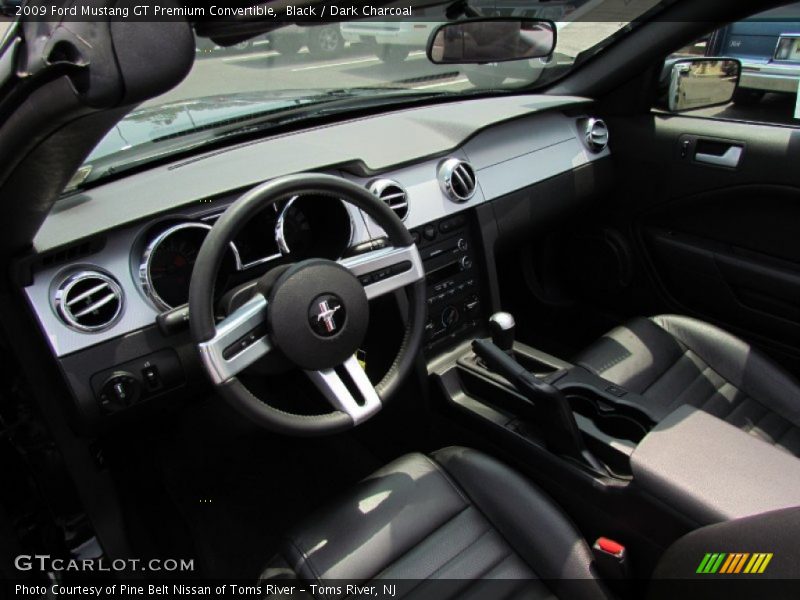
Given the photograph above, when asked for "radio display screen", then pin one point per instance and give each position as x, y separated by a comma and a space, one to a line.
444, 272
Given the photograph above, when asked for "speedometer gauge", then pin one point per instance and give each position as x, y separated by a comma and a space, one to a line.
168, 261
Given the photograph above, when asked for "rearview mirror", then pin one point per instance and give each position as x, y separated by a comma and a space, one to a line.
701, 82
491, 40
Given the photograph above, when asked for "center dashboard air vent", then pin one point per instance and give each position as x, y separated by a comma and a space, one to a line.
457, 179
595, 134
392, 194
89, 301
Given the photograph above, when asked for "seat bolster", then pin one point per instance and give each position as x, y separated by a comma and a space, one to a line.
633, 355
370, 527
738, 362
459, 515
527, 519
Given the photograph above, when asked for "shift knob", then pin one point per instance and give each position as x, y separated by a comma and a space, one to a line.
501, 325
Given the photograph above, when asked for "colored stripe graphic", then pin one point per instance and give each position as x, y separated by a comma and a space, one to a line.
711, 562
758, 563
734, 563
755, 562
727, 564
717, 563
740, 563
703, 563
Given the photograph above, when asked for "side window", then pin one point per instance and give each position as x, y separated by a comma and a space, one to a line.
768, 46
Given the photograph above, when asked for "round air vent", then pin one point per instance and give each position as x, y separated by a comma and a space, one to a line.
392, 194
89, 301
457, 179
595, 134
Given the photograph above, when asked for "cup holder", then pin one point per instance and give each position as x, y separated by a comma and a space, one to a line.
606, 417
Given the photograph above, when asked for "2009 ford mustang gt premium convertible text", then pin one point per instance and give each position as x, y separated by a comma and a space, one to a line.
513, 314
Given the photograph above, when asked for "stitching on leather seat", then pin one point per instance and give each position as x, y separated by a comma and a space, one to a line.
614, 361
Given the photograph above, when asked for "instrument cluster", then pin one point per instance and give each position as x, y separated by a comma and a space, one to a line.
288, 231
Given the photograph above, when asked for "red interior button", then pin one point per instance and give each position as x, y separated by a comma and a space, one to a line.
610, 546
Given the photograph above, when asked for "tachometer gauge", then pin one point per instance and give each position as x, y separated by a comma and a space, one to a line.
168, 260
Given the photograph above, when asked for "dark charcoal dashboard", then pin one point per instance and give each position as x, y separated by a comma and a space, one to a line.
112, 305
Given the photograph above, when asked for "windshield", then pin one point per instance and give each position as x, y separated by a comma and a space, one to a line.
294, 72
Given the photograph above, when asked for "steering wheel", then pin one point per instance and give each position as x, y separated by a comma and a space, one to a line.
315, 313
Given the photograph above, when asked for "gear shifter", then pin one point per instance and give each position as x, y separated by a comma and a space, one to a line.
501, 325
540, 401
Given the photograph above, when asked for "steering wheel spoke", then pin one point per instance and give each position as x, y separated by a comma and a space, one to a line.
240, 340
387, 269
348, 389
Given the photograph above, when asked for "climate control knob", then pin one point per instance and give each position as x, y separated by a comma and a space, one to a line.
450, 317
465, 263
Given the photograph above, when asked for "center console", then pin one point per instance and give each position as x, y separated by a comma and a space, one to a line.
598, 444
572, 432
547, 402
450, 251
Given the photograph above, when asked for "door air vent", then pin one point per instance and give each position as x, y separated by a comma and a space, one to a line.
595, 134
88, 301
392, 194
457, 179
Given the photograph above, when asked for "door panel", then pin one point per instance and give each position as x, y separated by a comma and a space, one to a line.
720, 242
746, 288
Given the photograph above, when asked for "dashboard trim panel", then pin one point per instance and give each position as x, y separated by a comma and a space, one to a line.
416, 134
511, 155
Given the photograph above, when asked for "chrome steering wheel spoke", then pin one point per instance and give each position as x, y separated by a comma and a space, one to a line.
348, 389
240, 340
387, 269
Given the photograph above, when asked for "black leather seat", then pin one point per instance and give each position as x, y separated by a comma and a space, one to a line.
459, 517
673, 360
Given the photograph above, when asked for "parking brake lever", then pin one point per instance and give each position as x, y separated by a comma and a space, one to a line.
546, 404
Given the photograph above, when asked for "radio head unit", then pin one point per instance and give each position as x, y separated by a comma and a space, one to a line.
450, 252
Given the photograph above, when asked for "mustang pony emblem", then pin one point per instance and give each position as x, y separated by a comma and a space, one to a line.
325, 315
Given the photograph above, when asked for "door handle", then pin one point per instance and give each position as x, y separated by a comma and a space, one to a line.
730, 158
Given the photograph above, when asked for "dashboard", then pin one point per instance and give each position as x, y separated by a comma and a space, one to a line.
113, 259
